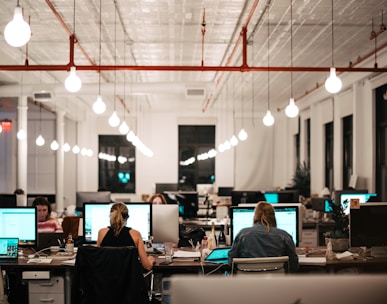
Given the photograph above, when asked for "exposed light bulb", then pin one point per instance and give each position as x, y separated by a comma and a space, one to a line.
221, 148
73, 83
291, 109
40, 140
89, 153
17, 32
242, 135
84, 151
114, 120
268, 119
76, 149
99, 106
333, 84
233, 141
21, 134
130, 136
226, 145
54, 145
124, 129
66, 147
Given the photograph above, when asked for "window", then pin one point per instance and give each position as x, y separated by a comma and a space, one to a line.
117, 165
329, 155
347, 150
193, 141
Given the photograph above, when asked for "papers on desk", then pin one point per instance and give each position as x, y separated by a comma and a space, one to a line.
307, 260
40, 261
69, 262
183, 254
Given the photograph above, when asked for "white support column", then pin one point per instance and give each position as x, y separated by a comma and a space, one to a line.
60, 162
22, 144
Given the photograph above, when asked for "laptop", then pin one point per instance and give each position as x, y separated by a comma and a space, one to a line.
9, 248
218, 255
48, 239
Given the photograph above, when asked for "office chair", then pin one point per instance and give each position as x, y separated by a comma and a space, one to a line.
265, 265
109, 275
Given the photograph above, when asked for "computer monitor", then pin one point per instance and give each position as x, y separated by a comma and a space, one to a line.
162, 187
288, 196
225, 191
188, 202
271, 197
165, 223
8, 200
19, 222
204, 189
246, 197
345, 199
96, 216
32, 196
288, 218
368, 225
91, 197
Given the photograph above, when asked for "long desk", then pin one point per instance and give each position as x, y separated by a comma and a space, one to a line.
189, 266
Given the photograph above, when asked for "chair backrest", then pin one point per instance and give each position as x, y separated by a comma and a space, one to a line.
265, 265
108, 275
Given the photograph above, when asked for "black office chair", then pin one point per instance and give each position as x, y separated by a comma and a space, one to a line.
109, 275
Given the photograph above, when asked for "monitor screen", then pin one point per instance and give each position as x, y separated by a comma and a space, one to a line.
19, 222
162, 187
271, 197
246, 197
187, 201
91, 196
8, 200
368, 225
165, 223
288, 196
31, 197
345, 199
96, 216
288, 217
225, 191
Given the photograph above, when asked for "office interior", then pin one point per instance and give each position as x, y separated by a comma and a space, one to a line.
237, 59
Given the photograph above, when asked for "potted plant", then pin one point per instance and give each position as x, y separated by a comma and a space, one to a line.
339, 235
301, 179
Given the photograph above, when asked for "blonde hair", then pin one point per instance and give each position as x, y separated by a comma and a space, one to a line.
119, 214
264, 213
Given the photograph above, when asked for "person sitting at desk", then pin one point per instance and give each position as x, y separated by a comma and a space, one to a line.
46, 223
117, 234
158, 199
263, 239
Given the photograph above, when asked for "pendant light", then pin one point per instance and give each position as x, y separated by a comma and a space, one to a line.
268, 119
242, 135
333, 84
40, 139
291, 109
114, 120
17, 32
99, 106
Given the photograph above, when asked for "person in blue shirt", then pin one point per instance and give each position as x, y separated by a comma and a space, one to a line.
264, 239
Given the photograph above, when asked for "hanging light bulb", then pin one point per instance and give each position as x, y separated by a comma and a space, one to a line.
227, 145
21, 134
268, 119
17, 32
221, 148
54, 145
73, 83
99, 106
130, 136
84, 151
233, 141
40, 140
333, 84
76, 149
66, 147
242, 135
291, 109
124, 129
114, 120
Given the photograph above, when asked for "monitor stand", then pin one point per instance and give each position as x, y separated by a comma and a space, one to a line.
379, 252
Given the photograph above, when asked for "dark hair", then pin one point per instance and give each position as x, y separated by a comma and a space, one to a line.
18, 191
42, 201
